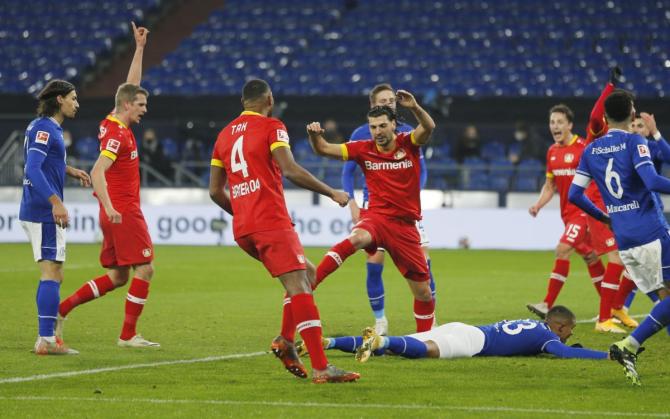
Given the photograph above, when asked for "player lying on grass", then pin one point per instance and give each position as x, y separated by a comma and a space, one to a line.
460, 340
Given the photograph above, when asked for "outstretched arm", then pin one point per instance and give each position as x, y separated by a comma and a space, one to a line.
576, 196
422, 132
320, 145
562, 350
135, 71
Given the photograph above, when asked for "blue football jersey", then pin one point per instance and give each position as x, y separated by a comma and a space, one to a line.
516, 337
635, 211
43, 140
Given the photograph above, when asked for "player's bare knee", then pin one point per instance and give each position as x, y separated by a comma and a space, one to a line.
119, 276
51, 270
296, 282
377, 258
563, 251
590, 258
420, 289
145, 271
613, 257
360, 238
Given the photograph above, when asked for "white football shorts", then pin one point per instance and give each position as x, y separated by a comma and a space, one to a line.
455, 340
47, 240
644, 265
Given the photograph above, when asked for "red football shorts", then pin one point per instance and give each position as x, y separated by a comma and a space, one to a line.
576, 234
280, 251
127, 243
601, 237
401, 241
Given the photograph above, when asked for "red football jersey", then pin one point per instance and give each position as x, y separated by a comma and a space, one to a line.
392, 178
244, 149
117, 142
562, 162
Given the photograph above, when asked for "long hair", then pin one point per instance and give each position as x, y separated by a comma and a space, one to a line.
48, 98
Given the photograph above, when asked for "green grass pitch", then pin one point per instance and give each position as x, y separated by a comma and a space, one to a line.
218, 302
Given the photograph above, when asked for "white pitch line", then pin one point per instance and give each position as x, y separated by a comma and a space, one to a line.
127, 367
593, 320
343, 406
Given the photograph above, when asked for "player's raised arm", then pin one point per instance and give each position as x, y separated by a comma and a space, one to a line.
135, 71
100, 187
301, 177
596, 126
217, 183
421, 134
663, 145
320, 145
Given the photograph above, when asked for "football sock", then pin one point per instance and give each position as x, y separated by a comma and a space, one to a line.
597, 273
308, 324
556, 280
626, 287
346, 343
424, 311
630, 298
90, 290
653, 296
48, 297
375, 287
135, 300
609, 288
657, 319
333, 259
405, 346
287, 323
432, 280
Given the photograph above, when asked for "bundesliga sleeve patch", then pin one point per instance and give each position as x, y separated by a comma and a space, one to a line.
42, 137
643, 150
113, 146
282, 136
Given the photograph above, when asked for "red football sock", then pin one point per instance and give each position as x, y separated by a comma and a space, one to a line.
287, 323
92, 289
135, 299
333, 259
424, 312
625, 287
556, 280
596, 272
308, 324
610, 286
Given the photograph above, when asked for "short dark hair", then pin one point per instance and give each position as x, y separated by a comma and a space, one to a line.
378, 88
255, 89
561, 313
376, 111
48, 98
619, 105
564, 109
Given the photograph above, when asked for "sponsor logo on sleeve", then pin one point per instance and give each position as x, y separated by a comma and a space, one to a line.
282, 136
643, 150
42, 137
113, 145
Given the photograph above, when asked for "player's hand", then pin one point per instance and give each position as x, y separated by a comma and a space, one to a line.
84, 178
355, 211
650, 122
140, 35
60, 215
113, 215
615, 75
314, 129
341, 197
534, 210
405, 99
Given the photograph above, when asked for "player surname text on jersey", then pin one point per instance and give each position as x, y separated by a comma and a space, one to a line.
245, 188
238, 128
404, 164
609, 149
625, 207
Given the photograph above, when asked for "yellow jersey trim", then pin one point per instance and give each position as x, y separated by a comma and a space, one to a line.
117, 120
411, 137
250, 113
278, 144
108, 154
217, 163
345, 152
550, 175
574, 138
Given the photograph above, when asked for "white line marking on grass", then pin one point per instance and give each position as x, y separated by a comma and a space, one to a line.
128, 367
341, 405
593, 320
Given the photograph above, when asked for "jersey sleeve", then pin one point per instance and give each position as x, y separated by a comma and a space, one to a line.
583, 173
548, 172
277, 135
217, 159
352, 149
561, 350
407, 137
38, 149
639, 151
111, 144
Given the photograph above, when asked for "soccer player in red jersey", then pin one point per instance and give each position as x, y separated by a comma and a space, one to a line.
251, 154
116, 182
390, 163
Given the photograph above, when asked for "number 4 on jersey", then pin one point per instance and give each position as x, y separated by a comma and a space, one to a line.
237, 161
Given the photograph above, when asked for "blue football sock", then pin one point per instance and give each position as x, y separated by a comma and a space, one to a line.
630, 298
657, 319
48, 298
406, 346
432, 280
346, 343
375, 287
653, 296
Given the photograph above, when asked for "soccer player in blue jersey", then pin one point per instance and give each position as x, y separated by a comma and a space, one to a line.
621, 164
459, 340
380, 95
43, 215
